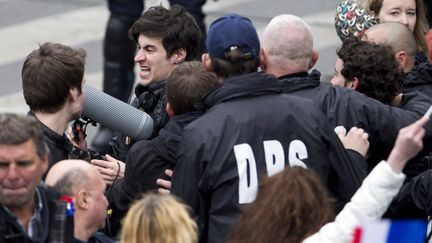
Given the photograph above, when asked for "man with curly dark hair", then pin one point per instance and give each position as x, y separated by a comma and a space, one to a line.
370, 69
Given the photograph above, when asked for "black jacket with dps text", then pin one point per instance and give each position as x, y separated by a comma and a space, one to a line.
250, 131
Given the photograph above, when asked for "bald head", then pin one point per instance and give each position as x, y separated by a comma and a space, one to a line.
396, 35
81, 181
287, 41
68, 175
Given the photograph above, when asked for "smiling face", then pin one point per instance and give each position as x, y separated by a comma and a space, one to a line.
21, 169
402, 11
152, 59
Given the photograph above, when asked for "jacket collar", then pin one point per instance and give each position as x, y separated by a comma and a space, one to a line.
248, 85
167, 142
420, 74
60, 141
153, 87
298, 81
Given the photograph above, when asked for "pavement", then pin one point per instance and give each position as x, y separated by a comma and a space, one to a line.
24, 24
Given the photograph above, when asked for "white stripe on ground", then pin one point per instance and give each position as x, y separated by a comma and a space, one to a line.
71, 28
88, 24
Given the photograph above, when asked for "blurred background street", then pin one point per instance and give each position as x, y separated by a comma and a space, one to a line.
81, 23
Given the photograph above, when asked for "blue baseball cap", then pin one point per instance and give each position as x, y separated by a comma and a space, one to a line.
232, 30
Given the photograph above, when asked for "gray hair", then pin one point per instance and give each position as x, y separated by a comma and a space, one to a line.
67, 183
16, 129
288, 40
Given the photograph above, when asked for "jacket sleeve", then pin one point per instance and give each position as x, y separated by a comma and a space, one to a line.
142, 169
369, 203
416, 101
414, 199
382, 122
347, 168
187, 177
188, 172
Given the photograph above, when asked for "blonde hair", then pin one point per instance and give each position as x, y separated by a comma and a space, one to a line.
421, 27
158, 219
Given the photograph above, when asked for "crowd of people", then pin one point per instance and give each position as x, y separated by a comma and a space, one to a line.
248, 143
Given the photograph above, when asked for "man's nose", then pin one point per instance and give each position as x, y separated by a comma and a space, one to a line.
12, 172
140, 56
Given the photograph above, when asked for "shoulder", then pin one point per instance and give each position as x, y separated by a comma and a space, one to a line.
100, 238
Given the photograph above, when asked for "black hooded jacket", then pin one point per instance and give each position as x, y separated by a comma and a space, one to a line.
146, 161
250, 131
348, 108
419, 79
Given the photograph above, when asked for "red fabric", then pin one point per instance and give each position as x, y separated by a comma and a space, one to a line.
357, 235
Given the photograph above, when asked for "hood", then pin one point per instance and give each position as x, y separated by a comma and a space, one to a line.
167, 143
242, 86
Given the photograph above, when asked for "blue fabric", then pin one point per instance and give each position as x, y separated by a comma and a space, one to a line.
232, 30
402, 231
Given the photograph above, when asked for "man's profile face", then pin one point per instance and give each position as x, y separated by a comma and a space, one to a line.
99, 203
338, 79
21, 170
154, 65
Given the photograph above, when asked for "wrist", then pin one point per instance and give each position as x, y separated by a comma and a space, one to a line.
396, 162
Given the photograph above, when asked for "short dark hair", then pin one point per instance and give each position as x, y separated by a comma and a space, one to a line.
17, 129
374, 65
176, 27
187, 84
49, 73
235, 63
290, 206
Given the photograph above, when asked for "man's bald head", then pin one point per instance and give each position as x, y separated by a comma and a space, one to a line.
288, 42
69, 175
396, 35
82, 182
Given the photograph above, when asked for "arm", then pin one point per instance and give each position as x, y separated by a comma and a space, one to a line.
188, 171
378, 189
111, 169
143, 167
165, 185
356, 139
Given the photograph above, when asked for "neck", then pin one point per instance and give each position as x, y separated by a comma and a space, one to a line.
57, 121
279, 72
82, 231
24, 213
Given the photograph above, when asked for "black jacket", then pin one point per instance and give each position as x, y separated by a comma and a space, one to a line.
349, 108
419, 79
250, 131
57, 227
60, 148
146, 161
414, 199
152, 100
59, 145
